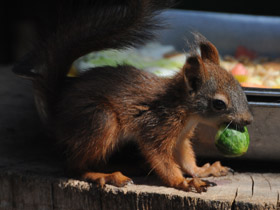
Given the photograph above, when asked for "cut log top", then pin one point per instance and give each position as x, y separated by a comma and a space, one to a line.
34, 185
32, 178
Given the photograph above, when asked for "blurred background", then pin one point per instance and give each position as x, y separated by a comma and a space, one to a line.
21, 20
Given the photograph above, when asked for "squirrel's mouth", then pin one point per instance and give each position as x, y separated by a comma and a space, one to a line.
236, 126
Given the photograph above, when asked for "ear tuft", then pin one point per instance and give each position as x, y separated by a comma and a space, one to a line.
207, 49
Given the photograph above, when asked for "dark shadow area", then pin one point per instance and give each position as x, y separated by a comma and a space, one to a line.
241, 165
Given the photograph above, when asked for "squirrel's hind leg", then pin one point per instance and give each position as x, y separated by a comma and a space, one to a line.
97, 139
116, 178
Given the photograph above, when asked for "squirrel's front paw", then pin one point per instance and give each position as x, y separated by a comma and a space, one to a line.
197, 184
216, 169
200, 185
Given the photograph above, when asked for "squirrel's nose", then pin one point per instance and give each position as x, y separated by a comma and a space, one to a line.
243, 119
248, 119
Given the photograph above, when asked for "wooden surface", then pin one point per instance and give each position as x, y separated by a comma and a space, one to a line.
24, 188
33, 177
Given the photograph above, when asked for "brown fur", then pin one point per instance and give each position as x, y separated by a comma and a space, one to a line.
106, 106
90, 116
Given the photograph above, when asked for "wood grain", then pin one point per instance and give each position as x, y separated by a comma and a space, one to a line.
24, 191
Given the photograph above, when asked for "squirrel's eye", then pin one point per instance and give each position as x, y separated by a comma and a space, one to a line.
219, 104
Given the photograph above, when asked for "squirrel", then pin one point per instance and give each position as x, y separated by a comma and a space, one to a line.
92, 114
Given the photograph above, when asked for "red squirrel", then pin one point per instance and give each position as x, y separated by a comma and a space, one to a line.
89, 116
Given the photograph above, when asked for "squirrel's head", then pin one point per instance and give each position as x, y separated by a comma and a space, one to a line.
216, 97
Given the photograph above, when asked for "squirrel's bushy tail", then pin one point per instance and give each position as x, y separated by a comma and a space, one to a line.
91, 25
81, 27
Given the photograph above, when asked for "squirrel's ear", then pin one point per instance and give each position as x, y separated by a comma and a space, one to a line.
209, 52
195, 73
207, 49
